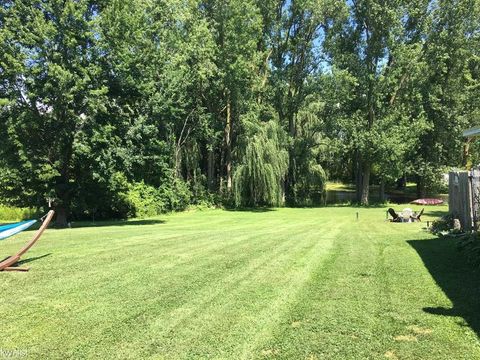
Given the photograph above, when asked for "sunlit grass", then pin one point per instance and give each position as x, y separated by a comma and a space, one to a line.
338, 186
287, 283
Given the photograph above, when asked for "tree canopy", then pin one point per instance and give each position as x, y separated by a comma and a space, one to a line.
237, 102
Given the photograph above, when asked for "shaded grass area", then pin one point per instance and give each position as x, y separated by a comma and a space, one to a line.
287, 284
340, 193
458, 279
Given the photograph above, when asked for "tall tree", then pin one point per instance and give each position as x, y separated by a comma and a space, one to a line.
451, 82
237, 29
50, 91
375, 46
296, 39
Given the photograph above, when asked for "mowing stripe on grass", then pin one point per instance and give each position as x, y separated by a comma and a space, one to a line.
289, 283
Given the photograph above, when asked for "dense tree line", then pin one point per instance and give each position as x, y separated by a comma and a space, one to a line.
129, 107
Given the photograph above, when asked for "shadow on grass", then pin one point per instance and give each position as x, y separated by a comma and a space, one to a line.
459, 279
85, 224
28, 260
360, 206
436, 213
260, 209
320, 206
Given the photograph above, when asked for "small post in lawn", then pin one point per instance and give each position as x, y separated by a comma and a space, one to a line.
357, 215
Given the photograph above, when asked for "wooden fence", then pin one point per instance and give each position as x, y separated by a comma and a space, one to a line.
464, 197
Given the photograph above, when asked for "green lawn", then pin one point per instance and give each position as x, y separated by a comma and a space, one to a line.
289, 284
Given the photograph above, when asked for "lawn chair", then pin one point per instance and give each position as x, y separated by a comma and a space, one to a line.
10, 230
394, 215
417, 217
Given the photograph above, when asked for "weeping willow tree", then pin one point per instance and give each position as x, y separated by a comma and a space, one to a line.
309, 148
259, 178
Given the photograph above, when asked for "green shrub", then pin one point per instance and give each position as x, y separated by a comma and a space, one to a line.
468, 243
201, 197
8, 213
118, 198
145, 200
103, 199
443, 225
175, 194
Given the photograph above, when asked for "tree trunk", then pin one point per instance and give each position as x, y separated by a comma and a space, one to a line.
402, 182
61, 216
358, 178
63, 193
382, 191
365, 182
228, 147
421, 189
178, 161
466, 154
290, 183
211, 170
